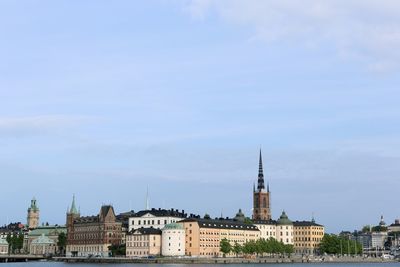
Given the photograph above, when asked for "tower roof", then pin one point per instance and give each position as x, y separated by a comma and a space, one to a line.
73, 209
33, 206
260, 181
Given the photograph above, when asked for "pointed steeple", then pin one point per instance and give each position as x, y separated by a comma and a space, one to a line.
73, 209
260, 181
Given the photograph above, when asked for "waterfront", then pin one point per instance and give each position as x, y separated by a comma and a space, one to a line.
61, 264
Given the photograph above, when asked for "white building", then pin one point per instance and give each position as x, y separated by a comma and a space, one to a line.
281, 230
42, 245
156, 218
3, 246
173, 240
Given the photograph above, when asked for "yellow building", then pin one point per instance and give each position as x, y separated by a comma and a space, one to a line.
307, 236
203, 236
143, 242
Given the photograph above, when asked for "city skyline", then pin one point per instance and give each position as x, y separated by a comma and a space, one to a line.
104, 100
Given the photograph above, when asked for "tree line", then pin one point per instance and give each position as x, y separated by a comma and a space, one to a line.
333, 244
260, 247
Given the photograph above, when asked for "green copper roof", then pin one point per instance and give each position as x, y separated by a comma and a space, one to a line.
42, 240
172, 226
73, 209
34, 206
284, 220
48, 231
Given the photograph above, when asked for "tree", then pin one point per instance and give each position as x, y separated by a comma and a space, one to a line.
225, 246
289, 249
117, 250
247, 220
237, 248
62, 242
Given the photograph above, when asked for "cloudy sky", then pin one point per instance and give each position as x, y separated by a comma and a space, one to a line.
103, 100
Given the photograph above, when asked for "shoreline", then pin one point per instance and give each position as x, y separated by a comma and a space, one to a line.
261, 260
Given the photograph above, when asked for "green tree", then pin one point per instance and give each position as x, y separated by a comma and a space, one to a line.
247, 220
288, 249
62, 242
225, 246
237, 249
117, 250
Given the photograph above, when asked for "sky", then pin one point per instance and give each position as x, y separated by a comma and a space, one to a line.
105, 99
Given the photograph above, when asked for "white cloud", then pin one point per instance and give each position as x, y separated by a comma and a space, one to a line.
367, 31
38, 124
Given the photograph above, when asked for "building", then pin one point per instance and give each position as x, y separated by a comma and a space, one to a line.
307, 236
33, 215
156, 218
92, 235
284, 229
281, 230
13, 229
267, 228
143, 242
394, 227
378, 240
173, 240
43, 245
261, 198
51, 232
3, 246
203, 235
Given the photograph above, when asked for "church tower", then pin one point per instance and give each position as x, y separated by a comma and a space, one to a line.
72, 214
33, 215
261, 197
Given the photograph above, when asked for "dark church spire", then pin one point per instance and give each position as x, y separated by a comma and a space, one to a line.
260, 182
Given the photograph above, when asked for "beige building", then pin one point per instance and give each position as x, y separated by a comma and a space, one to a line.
3, 246
307, 236
173, 240
203, 236
43, 245
143, 242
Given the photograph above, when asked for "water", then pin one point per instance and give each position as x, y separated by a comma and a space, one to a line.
60, 264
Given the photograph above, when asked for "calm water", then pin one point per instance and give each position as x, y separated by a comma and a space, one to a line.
59, 264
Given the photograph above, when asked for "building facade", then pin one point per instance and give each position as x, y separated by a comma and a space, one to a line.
92, 235
281, 230
3, 246
49, 231
43, 245
173, 240
261, 197
33, 215
203, 235
156, 218
307, 236
143, 242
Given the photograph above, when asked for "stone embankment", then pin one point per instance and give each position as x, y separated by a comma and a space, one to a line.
191, 260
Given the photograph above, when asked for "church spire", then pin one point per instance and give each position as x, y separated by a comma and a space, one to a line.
73, 209
260, 182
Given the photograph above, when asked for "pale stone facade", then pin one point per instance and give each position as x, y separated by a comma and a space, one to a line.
3, 246
307, 236
143, 242
281, 230
43, 246
203, 236
156, 218
173, 240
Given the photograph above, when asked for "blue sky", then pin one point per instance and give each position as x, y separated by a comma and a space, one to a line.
106, 99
